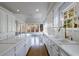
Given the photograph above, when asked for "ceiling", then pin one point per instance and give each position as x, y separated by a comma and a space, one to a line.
28, 9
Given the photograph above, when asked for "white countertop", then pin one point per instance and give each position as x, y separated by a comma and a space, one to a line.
72, 50
70, 47
9, 41
7, 44
12, 40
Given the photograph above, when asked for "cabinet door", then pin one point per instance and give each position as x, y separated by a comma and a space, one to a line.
9, 23
21, 51
54, 50
0, 21
9, 53
3, 21
62, 53
13, 24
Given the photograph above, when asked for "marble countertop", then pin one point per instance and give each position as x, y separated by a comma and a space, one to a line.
9, 41
7, 44
72, 50
12, 40
70, 47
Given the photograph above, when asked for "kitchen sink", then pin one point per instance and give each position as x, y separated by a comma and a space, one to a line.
68, 42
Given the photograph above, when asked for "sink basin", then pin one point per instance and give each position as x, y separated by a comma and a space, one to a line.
64, 41
68, 42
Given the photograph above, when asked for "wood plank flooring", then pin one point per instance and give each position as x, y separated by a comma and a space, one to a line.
38, 51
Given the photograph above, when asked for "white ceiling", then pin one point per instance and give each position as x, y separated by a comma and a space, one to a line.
28, 9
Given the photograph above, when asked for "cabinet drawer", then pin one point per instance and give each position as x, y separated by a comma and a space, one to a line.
10, 53
62, 53
56, 47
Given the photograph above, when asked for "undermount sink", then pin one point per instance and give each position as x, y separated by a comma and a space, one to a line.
67, 42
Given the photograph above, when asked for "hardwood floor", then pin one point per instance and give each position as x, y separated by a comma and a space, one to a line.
38, 51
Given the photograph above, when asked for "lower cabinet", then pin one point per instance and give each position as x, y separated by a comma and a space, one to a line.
62, 53
54, 49
9, 53
21, 51
51, 47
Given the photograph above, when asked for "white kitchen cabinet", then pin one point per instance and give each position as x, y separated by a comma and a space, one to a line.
11, 23
7, 23
21, 51
23, 47
55, 50
11, 52
28, 44
48, 44
3, 21
52, 48
62, 53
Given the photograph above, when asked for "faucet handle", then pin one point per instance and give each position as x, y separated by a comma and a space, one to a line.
70, 38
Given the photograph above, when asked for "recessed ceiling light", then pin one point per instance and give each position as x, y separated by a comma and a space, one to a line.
37, 10
18, 10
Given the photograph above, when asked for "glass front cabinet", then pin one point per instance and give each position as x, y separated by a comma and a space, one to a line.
71, 18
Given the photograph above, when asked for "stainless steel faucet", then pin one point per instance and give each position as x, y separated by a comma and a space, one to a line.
70, 38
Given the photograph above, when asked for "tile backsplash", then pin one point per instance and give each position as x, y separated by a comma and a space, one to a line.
75, 35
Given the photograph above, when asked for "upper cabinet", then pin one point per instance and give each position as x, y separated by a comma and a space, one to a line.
3, 21
71, 19
11, 23
7, 21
